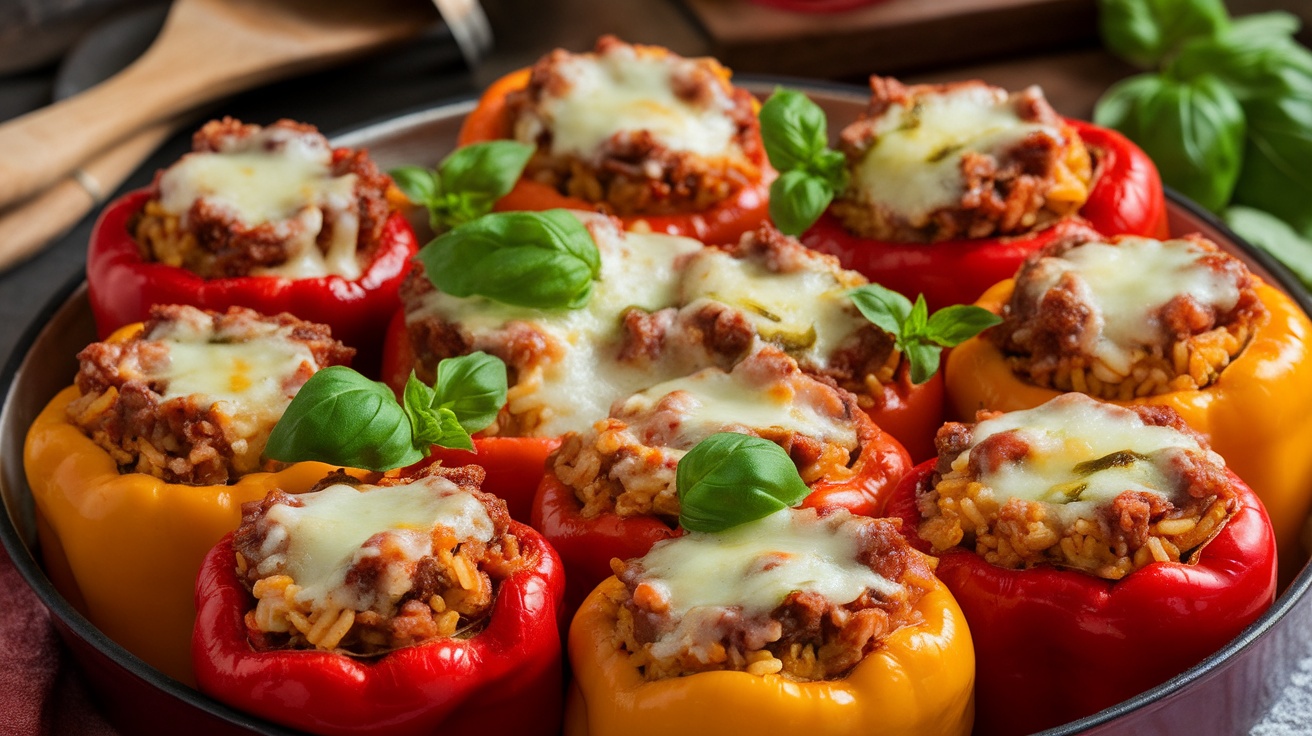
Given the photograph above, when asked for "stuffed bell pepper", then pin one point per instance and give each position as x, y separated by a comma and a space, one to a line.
610, 492
1174, 323
138, 469
765, 619
1096, 551
665, 143
944, 189
412, 605
270, 218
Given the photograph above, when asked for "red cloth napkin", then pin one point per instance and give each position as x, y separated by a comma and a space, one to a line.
41, 690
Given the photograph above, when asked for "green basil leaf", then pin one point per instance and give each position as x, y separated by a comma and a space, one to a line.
887, 309
450, 432
923, 358
419, 185
1277, 172
793, 129
342, 418
417, 400
797, 199
542, 260
1147, 32
730, 479
1276, 237
473, 387
489, 168
951, 326
1193, 130
917, 321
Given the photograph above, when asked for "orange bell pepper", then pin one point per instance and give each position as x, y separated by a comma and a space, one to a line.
723, 222
1257, 415
920, 680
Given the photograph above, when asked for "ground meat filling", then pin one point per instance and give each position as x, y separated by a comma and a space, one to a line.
428, 567
1129, 316
626, 464
275, 200
636, 129
1076, 483
679, 614
192, 397
931, 163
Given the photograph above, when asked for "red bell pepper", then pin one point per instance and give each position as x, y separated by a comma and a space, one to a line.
587, 545
508, 674
912, 413
122, 286
723, 222
1126, 197
1053, 645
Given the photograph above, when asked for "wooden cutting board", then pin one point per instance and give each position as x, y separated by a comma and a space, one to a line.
889, 36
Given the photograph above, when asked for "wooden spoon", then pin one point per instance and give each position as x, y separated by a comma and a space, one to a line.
207, 49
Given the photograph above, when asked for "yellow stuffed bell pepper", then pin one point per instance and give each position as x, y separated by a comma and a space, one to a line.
920, 680
1257, 414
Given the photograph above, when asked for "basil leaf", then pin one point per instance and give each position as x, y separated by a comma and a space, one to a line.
793, 129
886, 308
1256, 57
490, 168
951, 326
416, 400
1146, 32
1276, 237
542, 260
342, 418
450, 432
1193, 130
1277, 173
797, 199
923, 359
473, 387
419, 185
730, 479
919, 335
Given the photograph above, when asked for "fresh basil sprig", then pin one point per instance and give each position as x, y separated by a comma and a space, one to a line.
543, 260
811, 174
342, 418
1146, 32
919, 335
467, 183
730, 479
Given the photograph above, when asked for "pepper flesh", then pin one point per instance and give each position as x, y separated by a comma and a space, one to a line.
1126, 197
122, 286
1257, 415
129, 543
1054, 645
917, 681
507, 674
724, 222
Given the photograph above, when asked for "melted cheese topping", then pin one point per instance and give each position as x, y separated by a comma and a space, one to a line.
637, 270
325, 537
1127, 285
620, 93
806, 312
756, 565
914, 166
1072, 440
270, 177
715, 400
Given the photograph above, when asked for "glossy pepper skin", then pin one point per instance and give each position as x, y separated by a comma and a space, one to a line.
722, 223
1126, 197
1053, 645
587, 545
122, 286
130, 544
1257, 415
918, 681
504, 679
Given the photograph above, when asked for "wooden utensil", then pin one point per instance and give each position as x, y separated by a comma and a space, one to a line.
207, 49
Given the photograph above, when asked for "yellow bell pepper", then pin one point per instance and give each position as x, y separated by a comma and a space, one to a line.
1257, 415
126, 547
920, 680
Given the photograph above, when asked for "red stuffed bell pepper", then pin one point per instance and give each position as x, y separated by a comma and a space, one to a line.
685, 163
930, 208
475, 643
212, 238
1064, 629
611, 492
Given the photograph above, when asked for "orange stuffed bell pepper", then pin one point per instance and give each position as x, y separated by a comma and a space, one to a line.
132, 486
761, 620
687, 162
1246, 390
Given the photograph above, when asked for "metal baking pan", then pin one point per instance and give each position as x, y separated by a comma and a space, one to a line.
1227, 693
